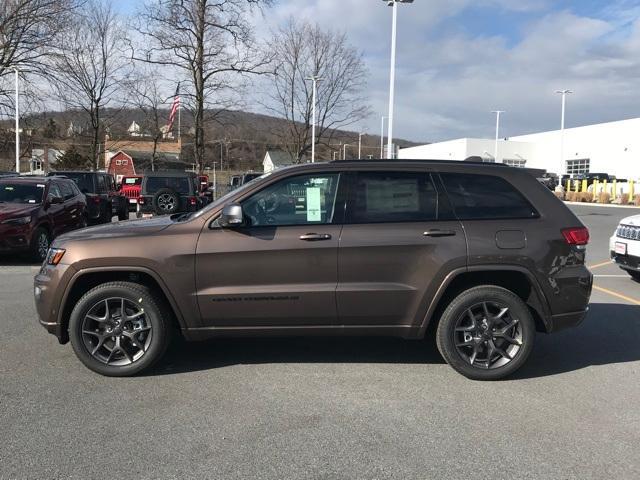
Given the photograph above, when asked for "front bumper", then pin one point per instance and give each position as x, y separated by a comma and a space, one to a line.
14, 238
49, 287
630, 261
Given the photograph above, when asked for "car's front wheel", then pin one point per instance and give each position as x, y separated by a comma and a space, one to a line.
119, 329
486, 333
40, 245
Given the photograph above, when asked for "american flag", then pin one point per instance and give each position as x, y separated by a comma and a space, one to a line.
174, 108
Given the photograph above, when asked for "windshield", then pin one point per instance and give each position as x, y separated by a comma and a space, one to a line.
132, 181
222, 200
84, 181
21, 193
179, 184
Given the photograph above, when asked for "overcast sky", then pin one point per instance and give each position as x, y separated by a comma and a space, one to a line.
460, 59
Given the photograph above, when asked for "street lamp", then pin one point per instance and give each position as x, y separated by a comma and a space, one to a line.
564, 94
392, 76
360, 145
344, 151
17, 124
314, 79
382, 137
495, 151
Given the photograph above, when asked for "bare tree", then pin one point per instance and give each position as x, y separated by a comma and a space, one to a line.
147, 94
27, 30
210, 45
89, 65
303, 50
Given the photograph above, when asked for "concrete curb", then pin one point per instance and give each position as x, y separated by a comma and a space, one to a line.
604, 205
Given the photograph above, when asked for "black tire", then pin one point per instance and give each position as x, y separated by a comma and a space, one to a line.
40, 243
460, 346
166, 202
107, 214
155, 315
123, 213
634, 275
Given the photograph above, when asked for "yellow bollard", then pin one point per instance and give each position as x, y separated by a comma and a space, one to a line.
584, 186
596, 184
631, 195
568, 185
604, 186
614, 189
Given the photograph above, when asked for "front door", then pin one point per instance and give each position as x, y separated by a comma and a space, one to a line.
398, 243
280, 268
56, 211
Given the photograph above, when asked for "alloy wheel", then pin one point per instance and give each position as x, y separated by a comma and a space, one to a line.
116, 331
42, 245
487, 335
166, 202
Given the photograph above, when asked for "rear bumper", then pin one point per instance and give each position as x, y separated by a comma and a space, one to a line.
563, 321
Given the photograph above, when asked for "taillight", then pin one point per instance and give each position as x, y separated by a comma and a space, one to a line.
95, 200
576, 236
193, 201
141, 200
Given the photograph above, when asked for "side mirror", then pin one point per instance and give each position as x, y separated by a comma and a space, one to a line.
55, 200
232, 216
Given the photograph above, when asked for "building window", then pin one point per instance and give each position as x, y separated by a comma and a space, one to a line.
515, 162
118, 162
36, 165
578, 166
125, 162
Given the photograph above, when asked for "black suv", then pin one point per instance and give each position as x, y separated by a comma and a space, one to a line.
103, 198
166, 193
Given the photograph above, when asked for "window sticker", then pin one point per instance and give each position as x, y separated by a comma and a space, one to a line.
40, 185
8, 189
32, 201
314, 214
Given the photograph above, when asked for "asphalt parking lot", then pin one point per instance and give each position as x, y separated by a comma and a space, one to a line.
333, 408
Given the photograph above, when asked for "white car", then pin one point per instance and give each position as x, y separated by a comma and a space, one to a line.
624, 246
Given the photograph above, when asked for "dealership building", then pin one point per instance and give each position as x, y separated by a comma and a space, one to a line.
612, 148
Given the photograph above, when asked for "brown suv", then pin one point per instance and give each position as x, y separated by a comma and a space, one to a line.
484, 254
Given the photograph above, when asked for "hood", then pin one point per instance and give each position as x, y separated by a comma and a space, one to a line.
633, 221
12, 210
119, 229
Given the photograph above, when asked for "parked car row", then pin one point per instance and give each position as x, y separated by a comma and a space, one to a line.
34, 210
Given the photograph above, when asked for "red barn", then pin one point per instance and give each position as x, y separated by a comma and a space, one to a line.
121, 165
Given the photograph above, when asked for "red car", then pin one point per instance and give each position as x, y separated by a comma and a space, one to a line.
130, 188
35, 210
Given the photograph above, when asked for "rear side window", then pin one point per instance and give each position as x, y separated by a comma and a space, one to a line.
382, 197
67, 190
485, 197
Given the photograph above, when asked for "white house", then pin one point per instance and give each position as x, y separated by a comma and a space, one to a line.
612, 148
275, 159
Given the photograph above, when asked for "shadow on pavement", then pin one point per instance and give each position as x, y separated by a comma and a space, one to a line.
17, 260
610, 334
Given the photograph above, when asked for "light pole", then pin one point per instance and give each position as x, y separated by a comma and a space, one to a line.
495, 151
360, 145
564, 94
344, 151
382, 137
392, 76
17, 124
314, 79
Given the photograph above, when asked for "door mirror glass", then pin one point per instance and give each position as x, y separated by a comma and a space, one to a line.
232, 216
55, 200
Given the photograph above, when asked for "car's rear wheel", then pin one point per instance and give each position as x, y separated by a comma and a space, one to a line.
486, 333
123, 213
40, 242
119, 329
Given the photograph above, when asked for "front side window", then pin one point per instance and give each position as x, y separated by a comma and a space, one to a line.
301, 200
54, 191
67, 191
380, 197
485, 197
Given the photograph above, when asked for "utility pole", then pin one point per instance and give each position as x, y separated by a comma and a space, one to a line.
17, 124
344, 151
360, 145
314, 79
392, 76
564, 94
382, 137
495, 151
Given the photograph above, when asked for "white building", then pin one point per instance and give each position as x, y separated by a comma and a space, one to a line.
274, 159
612, 148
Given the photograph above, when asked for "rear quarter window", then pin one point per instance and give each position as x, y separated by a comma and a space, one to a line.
485, 197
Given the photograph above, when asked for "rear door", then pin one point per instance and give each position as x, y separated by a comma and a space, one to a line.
281, 268
71, 207
398, 243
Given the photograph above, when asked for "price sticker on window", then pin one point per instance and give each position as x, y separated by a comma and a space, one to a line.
314, 213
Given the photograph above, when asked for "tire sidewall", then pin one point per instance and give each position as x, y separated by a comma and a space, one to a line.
457, 308
140, 296
35, 251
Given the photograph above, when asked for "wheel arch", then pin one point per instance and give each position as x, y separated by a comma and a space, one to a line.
86, 279
517, 279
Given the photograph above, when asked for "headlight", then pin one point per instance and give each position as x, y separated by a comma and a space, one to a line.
55, 255
17, 220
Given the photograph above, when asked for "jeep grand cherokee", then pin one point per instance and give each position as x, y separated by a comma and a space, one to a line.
484, 254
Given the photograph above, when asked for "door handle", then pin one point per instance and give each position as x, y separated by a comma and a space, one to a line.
315, 237
439, 233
